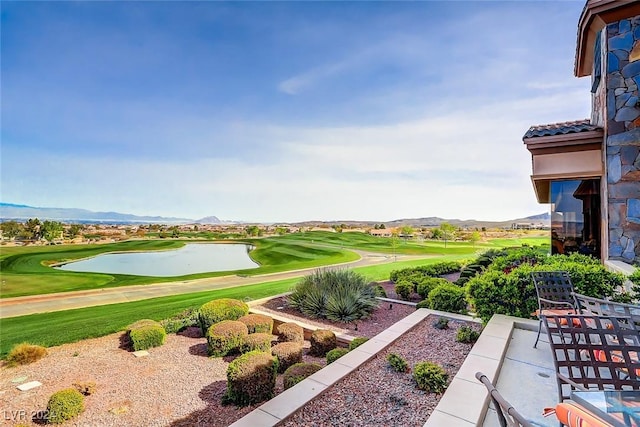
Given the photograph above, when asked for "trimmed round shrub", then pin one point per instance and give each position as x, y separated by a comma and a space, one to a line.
258, 341
430, 377
288, 354
336, 294
251, 378
404, 289
379, 291
335, 354
322, 341
25, 353
64, 405
397, 363
145, 334
257, 323
448, 297
225, 337
466, 334
220, 309
298, 372
422, 304
290, 332
429, 284
357, 342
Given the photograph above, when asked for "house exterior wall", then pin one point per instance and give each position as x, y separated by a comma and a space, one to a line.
622, 133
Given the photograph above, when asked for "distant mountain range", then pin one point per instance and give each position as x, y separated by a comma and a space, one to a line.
9, 211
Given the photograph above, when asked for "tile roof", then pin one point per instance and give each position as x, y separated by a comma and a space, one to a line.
562, 128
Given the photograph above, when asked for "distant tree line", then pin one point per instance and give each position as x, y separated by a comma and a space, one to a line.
34, 229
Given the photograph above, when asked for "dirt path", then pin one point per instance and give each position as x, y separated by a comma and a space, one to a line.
21, 306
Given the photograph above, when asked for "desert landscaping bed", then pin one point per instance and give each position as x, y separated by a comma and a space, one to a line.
375, 394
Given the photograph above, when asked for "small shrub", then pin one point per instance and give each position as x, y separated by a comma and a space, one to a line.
25, 353
298, 372
145, 334
357, 342
397, 363
257, 323
251, 378
448, 297
467, 334
430, 377
225, 337
220, 309
288, 354
422, 304
258, 341
86, 388
290, 332
335, 354
180, 321
441, 323
404, 289
429, 284
379, 291
322, 341
64, 405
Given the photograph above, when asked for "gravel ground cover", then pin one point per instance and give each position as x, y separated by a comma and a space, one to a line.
375, 395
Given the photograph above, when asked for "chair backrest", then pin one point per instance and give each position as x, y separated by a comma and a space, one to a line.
594, 352
600, 307
554, 286
507, 414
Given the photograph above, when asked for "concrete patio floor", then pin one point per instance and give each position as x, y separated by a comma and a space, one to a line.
527, 377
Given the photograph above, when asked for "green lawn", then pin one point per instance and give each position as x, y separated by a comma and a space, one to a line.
61, 327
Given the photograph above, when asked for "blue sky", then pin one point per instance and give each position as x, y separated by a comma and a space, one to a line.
283, 111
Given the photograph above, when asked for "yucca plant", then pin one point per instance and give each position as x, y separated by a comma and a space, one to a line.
340, 295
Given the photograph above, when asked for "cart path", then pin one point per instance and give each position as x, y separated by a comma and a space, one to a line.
21, 306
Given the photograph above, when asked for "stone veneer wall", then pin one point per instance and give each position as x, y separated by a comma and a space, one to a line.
623, 139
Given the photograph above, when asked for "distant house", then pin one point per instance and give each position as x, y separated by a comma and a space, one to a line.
381, 233
589, 170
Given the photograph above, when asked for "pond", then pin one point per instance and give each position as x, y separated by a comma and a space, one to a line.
190, 259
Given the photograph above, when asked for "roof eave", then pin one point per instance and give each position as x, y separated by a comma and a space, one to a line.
595, 16
564, 140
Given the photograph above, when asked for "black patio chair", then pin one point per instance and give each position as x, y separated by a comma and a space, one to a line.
507, 414
600, 307
555, 295
594, 352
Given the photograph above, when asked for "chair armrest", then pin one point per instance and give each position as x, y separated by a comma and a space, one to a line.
571, 383
561, 303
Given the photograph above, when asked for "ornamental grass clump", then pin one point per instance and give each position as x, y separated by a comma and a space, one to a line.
25, 353
322, 341
335, 354
290, 332
220, 309
251, 378
298, 372
225, 337
430, 377
258, 341
288, 354
63, 405
257, 323
145, 334
339, 295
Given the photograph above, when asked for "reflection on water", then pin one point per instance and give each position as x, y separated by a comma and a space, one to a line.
190, 259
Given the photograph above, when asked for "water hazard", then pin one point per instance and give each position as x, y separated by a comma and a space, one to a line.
190, 259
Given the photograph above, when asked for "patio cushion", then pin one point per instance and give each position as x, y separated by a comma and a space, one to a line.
573, 415
616, 356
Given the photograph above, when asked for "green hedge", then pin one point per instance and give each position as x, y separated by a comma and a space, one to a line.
251, 378
448, 297
220, 309
145, 334
429, 284
336, 354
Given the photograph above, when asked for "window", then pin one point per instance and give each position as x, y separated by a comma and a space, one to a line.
575, 217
